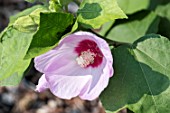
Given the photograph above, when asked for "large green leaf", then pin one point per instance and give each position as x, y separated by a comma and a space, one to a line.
29, 23
25, 24
131, 6
164, 10
95, 13
25, 13
164, 27
13, 48
155, 3
30, 14
136, 26
105, 28
141, 78
52, 27
14, 45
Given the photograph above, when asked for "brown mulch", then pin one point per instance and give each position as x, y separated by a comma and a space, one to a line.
24, 100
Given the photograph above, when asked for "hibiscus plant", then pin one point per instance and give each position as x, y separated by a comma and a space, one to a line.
118, 51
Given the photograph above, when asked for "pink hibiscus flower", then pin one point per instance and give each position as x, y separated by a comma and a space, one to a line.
80, 65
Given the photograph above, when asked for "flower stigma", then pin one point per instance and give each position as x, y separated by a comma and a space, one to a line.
89, 54
86, 58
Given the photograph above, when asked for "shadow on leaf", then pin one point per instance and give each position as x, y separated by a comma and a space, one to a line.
131, 81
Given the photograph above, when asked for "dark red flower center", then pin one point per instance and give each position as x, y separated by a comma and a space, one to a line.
89, 54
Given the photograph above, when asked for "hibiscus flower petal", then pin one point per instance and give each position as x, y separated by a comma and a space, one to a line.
42, 84
101, 84
67, 87
54, 59
102, 81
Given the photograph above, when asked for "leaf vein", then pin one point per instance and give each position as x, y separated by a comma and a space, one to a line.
155, 104
152, 59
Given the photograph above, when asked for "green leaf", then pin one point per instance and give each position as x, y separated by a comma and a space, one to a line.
52, 27
141, 78
74, 27
104, 29
108, 111
131, 6
64, 2
95, 13
15, 43
29, 23
155, 3
128, 111
164, 27
163, 11
90, 11
25, 24
25, 13
55, 6
136, 26
27, 27
13, 48
33, 1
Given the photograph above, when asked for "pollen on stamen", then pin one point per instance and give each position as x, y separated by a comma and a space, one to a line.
86, 58
88, 54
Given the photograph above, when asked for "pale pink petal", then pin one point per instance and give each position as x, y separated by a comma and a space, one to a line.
54, 59
63, 66
99, 84
67, 87
109, 60
70, 71
40, 62
59, 56
42, 84
74, 39
101, 81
